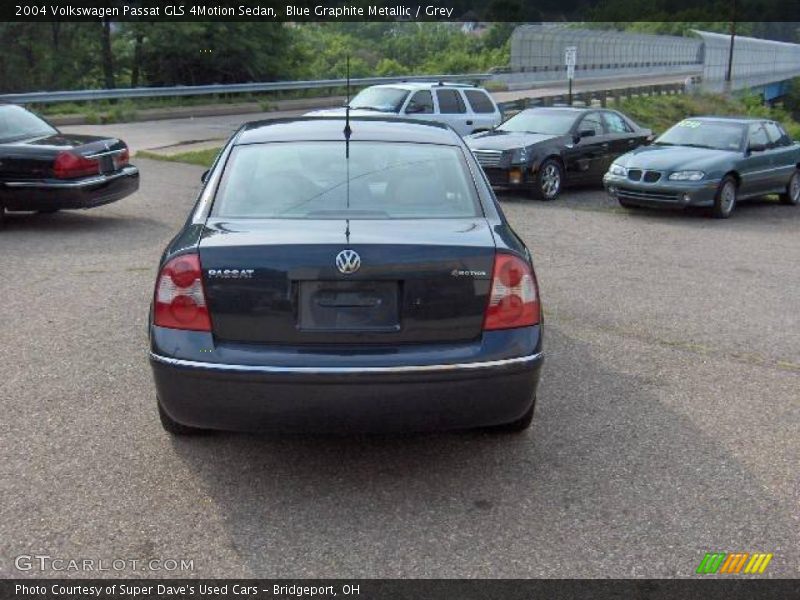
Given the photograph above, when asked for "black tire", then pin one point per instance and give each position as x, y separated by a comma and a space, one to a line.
626, 203
725, 198
518, 426
792, 194
2, 216
549, 180
173, 427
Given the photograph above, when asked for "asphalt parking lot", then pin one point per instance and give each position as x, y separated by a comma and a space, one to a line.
667, 425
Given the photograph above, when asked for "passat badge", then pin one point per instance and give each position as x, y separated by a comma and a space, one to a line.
348, 261
231, 273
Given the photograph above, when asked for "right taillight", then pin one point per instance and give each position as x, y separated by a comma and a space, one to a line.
70, 165
514, 299
180, 301
122, 159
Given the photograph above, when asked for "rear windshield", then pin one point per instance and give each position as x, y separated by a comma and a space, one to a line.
309, 180
698, 133
16, 123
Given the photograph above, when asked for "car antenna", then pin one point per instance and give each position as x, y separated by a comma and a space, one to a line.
347, 132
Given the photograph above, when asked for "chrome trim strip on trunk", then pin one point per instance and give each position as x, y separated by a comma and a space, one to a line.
78, 183
226, 368
107, 153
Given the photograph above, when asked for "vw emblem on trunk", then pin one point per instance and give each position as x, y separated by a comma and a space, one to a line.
348, 261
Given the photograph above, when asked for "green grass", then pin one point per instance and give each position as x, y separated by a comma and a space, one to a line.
203, 158
661, 112
113, 111
134, 104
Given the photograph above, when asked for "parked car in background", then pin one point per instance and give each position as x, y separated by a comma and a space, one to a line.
44, 170
466, 108
712, 162
542, 149
319, 288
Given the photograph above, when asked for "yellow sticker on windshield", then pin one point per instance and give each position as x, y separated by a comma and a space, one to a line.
690, 124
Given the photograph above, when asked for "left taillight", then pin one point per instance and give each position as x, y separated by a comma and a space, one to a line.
70, 165
180, 301
514, 299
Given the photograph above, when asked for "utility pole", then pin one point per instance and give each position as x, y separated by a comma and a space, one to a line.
729, 71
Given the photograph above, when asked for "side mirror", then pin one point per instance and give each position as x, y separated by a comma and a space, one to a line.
756, 148
414, 109
204, 176
587, 133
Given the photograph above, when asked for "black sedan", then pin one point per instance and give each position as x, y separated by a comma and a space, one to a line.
542, 149
326, 284
44, 170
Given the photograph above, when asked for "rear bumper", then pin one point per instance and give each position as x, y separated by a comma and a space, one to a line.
676, 194
347, 396
52, 194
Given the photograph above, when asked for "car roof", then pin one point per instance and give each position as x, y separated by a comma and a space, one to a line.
332, 129
740, 120
566, 109
425, 85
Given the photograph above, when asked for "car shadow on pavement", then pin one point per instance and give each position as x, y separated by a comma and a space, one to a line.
610, 482
74, 222
757, 214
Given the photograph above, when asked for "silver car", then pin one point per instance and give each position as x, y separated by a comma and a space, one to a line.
466, 108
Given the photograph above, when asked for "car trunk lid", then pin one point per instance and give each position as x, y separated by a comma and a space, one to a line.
35, 158
277, 281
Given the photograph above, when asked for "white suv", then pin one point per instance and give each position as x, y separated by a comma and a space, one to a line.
467, 109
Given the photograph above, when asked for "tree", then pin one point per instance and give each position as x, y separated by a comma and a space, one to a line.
107, 54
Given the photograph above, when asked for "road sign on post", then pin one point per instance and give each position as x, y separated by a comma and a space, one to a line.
570, 55
570, 58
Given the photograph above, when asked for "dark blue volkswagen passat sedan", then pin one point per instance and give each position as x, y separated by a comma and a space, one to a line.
345, 276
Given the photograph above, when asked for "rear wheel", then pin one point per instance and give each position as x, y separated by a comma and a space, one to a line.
792, 193
725, 199
173, 427
521, 424
549, 179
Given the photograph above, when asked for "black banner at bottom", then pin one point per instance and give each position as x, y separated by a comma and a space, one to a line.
398, 589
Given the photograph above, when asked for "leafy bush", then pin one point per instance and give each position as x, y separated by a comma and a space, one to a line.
661, 112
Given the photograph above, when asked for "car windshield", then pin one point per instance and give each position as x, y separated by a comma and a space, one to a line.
383, 99
16, 123
699, 133
309, 180
552, 122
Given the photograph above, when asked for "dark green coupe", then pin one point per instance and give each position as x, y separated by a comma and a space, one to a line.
711, 162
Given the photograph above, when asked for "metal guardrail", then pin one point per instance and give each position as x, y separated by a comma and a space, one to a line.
235, 88
592, 98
